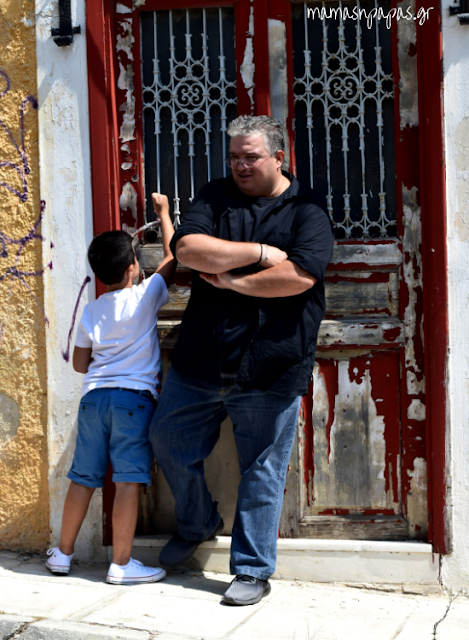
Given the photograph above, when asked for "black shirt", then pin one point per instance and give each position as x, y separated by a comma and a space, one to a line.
241, 324
277, 336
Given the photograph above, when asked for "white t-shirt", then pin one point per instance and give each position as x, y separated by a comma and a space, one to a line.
120, 327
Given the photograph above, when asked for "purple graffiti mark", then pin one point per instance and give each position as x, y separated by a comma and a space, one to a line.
66, 353
22, 169
8, 244
13, 273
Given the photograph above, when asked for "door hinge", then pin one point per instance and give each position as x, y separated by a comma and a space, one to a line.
63, 36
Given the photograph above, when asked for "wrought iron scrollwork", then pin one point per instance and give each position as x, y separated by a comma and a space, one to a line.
343, 88
189, 96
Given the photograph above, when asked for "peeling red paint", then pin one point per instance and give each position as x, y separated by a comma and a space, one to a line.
308, 455
391, 334
356, 266
334, 512
360, 243
411, 358
343, 348
328, 370
358, 512
376, 311
371, 277
129, 105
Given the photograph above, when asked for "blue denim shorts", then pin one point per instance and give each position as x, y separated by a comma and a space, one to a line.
113, 427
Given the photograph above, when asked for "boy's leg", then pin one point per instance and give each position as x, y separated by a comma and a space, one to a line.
75, 508
90, 463
124, 521
131, 456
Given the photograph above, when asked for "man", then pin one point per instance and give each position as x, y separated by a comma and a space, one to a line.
259, 246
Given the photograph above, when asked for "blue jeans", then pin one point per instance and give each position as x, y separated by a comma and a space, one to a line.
183, 432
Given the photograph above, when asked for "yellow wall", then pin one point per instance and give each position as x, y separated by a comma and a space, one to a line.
24, 510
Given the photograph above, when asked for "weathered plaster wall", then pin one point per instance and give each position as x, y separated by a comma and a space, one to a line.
455, 567
66, 187
24, 510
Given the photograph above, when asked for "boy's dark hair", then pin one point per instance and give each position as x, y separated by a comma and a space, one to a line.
110, 254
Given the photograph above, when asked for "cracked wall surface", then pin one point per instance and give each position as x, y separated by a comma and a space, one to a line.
24, 505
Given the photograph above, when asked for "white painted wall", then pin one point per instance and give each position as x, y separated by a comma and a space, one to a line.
66, 187
455, 567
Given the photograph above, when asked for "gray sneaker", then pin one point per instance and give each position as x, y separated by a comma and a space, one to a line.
246, 590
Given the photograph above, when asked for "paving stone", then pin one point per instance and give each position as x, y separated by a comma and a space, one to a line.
456, 624
52, 598
61, 630
331, 616
172, 614
422, 619
9, 554
10, 624
7, 628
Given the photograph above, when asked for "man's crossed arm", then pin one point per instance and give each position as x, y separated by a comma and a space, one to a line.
215, 258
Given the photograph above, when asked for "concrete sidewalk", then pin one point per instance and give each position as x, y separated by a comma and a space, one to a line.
186, 605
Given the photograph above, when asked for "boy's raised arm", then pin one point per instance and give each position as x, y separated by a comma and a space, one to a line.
168, 265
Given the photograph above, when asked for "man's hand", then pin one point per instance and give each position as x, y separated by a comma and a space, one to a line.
218, 280
283, 280
225, 280
276, 256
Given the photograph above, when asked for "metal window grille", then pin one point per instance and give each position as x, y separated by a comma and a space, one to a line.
343, 92
189, 97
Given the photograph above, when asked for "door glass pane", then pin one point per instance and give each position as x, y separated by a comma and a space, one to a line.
344, 118
189, 97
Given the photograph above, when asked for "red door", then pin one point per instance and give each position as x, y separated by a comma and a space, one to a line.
171, 76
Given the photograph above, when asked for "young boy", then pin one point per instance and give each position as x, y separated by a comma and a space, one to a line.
117, 349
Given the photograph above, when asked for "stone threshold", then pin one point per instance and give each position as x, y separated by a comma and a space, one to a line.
347, 561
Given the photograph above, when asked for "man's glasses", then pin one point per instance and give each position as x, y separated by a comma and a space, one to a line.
248, 162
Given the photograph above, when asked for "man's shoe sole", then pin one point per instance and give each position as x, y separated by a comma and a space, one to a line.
238, 603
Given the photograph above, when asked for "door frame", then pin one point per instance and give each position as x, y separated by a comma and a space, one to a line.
106, 162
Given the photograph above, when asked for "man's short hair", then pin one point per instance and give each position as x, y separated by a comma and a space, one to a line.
110, 254
270, 129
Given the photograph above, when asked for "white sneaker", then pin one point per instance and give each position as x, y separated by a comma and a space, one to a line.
133, 572
59, 562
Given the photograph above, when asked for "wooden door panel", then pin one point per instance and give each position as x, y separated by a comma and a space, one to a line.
362, 293
353, 463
